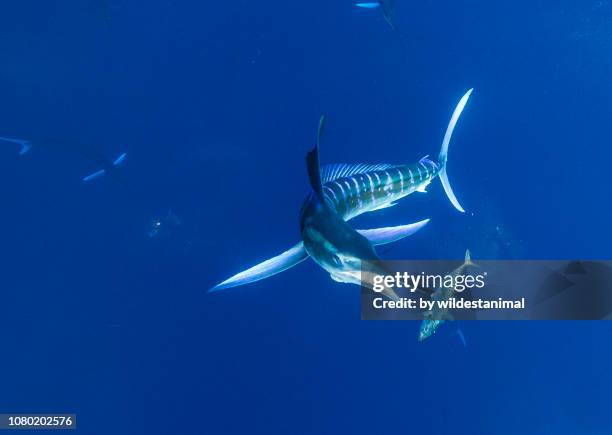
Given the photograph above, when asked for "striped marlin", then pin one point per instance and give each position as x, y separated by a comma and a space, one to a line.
341, 192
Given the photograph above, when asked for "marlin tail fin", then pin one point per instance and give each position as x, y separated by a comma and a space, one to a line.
25, 145
444, 151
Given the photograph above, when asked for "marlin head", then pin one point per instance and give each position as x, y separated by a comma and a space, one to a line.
346, 254
332, 243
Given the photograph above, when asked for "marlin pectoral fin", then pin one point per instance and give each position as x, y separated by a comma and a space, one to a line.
95, 175
382, 236
266, 269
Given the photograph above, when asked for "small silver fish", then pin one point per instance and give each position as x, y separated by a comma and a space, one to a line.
434, 318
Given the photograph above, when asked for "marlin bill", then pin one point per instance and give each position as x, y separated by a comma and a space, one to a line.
340, 192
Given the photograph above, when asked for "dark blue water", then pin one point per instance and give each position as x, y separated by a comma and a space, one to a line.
216, 104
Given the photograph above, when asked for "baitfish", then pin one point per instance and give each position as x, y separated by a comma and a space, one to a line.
434, 318
386, 6
105, 165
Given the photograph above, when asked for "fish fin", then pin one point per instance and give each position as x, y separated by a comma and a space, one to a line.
368, 5
384, 206
321, 129
336, 277
25, 145
444, 150
120, 159
340, 170
422, 189
312, 163
266, 269
468, 259
462, 338
382, 236
388, 9
385, 5
95, 175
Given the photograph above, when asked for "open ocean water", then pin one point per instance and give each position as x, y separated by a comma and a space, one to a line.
104, 284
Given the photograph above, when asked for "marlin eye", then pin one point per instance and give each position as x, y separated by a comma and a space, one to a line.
336, 260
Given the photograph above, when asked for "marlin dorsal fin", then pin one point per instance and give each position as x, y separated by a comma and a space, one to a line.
312, 162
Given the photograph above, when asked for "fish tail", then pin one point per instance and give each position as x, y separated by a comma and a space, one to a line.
462, 338
443, 158
25, 145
